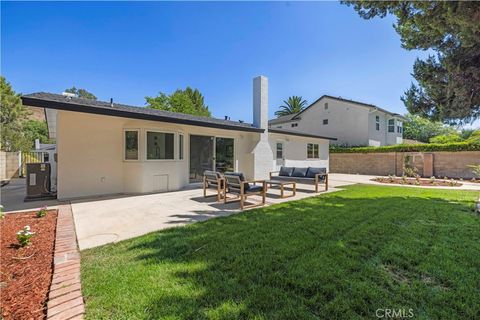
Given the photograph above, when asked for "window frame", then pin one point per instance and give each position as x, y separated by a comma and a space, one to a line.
391, 124
313, 151
325, 106
325, 123
180, 146
125, 144
160, 131
276, 150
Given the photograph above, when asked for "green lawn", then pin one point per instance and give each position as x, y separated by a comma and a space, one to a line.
341, 255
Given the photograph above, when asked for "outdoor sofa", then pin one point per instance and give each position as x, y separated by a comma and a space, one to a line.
310, 175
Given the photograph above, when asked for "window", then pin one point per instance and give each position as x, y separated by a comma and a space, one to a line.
159, 145
131, 145
391, 125
294, 125
325, 121
180, 146
399, 129
312, 151
326, 105
279, 150
377, 123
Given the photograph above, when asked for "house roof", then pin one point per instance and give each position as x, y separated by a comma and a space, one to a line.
61, 102
282, 119
297, 115
300, 134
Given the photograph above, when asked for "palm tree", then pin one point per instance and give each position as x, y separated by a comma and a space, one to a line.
293, 104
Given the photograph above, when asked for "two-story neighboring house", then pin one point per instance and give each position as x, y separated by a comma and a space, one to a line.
353, 123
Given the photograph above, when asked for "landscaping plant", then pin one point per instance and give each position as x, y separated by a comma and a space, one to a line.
42, 212
24, 236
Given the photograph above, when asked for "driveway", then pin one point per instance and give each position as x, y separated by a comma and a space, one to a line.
104, 220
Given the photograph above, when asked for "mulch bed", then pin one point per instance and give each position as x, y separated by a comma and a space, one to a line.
26, 273
420, 182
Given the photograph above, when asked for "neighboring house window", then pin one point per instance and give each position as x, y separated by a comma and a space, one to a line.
399, 129
131, 144
391, 125
279, 150
326, 105
312, 151
279, 127
377, 123
325, 121
159, 145
180, 146
294, 124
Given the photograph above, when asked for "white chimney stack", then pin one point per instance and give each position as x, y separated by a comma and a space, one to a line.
262, 152
260, 102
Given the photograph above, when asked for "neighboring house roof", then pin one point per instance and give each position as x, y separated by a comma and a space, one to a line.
296, 116
300, 134
282, 119
61, 102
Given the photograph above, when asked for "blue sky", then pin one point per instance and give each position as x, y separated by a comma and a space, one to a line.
129, 50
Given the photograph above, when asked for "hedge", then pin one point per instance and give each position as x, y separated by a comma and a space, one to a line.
428, 147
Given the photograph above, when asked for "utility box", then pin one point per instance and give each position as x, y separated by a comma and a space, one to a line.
38, 181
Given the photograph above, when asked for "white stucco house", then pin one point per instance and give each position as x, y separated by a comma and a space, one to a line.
353, 123
106, 148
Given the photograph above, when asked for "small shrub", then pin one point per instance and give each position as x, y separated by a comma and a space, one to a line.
42, 212
452, 183
391, 178
432, 179
24, 236
404, 179
417, 182
410, 172
2, 214
475, 170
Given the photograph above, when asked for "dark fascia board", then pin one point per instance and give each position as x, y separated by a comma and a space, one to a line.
350, 101
300, 134
35, 102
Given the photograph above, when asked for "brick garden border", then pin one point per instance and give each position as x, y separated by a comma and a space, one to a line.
65, 300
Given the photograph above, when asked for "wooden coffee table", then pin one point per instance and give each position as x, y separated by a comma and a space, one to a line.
282, 185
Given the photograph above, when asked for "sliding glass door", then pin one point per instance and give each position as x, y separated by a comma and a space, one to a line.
224, 160
210, 153
201, 156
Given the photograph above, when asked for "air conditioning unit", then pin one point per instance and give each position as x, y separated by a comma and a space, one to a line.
38, 181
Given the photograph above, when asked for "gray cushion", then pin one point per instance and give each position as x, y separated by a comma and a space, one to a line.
313, 171
255, 188
286, 171
300, 172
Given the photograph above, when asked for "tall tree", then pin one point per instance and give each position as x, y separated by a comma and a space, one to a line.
189, 101
293, 104
12, 114
423, 129
81, 93
448, 83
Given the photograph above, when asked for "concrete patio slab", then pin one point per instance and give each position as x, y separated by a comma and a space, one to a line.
104, 220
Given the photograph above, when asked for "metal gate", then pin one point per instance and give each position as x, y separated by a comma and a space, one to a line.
31, 157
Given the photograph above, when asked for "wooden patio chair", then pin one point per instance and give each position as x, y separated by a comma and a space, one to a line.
235, 183
213, 180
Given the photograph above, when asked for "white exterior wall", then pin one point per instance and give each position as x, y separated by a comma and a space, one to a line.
350, 123
91, 150
295, 152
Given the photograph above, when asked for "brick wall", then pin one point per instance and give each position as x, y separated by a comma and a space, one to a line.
450, 164
8, 165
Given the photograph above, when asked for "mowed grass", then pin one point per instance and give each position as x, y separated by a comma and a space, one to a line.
341, 255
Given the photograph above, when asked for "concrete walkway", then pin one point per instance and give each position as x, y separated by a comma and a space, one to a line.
104, 220
364, 179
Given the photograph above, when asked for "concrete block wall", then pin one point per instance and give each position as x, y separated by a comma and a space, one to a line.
9, 165
439, 164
